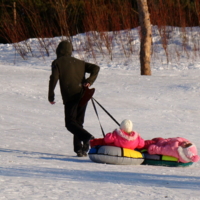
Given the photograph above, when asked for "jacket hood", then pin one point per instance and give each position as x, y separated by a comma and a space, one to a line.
64, 49
128, 136
189, 154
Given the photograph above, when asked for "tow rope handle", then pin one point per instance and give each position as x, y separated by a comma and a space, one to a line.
92, 99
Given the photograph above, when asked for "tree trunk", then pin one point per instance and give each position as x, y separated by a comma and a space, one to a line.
14, 13
146, 37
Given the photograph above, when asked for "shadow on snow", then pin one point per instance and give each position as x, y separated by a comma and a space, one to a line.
128, 178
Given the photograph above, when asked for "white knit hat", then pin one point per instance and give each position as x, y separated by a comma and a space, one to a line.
126, 125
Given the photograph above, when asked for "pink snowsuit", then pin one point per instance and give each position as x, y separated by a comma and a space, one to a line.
172, 147
120, 138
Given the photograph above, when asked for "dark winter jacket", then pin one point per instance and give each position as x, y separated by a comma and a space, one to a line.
70, 72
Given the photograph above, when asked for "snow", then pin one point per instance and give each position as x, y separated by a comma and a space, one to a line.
37, 161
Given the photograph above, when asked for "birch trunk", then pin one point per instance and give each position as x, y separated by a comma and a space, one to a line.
146, 37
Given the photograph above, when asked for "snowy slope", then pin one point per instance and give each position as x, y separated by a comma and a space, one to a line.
36, 154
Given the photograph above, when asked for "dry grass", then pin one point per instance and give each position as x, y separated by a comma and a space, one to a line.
98, 18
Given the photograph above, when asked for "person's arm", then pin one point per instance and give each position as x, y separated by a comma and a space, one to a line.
52, 83
93, 70
109, 138
141, 143
154, 149
86, 84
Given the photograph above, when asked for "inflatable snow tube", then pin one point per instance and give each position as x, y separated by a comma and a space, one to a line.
115, 155
162, 160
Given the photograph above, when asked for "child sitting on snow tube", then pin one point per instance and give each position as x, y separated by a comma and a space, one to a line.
124, 137
178, 147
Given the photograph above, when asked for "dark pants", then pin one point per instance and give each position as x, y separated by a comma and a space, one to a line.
74, 119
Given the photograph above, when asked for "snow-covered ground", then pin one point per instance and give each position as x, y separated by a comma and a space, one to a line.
37, 161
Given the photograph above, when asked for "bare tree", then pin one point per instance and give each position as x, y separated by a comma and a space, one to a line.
146, 37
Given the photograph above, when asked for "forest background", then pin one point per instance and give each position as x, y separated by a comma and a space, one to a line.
24, 19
